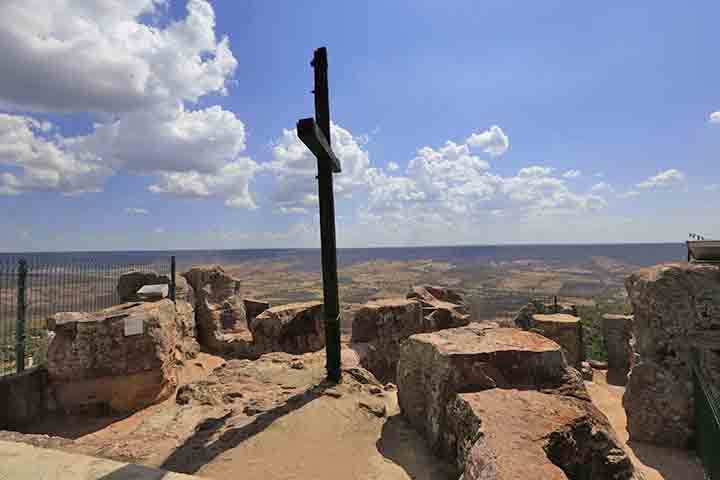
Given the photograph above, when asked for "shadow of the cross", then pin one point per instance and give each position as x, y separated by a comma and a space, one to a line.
196, 452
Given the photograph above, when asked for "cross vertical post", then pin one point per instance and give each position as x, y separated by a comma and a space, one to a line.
315, 133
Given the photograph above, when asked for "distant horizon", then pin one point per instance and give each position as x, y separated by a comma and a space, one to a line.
289, 249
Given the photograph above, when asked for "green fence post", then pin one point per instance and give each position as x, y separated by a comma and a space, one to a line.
172, 278
21, 311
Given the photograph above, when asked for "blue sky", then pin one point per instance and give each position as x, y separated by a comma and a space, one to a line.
149, 124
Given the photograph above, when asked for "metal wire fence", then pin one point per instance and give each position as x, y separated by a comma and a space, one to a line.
707, 421
32, 290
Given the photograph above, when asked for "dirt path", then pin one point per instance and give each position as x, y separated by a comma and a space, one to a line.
656, 463
331, 438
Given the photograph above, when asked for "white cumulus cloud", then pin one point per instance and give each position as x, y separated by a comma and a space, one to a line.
714, 117
572, 174
230, 182
665, 178
78, 55
35, 161
492, 141
295, 167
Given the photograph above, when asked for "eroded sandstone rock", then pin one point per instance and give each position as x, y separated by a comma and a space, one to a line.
564, 329
618, 339
524, 434
433, 367
293, 328
122, 357
523, 319
442, 307
129, 283
676, 309
219, 310
502, 403
384, 324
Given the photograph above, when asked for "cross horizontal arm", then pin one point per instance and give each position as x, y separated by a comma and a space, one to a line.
314, 139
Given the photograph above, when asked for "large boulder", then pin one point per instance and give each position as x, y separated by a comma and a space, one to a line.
219, 309
129, 283
384, 324
122, 357
525, 434
676, 310
523, 319
294, 328
442, 307
619, 342
564, 329
457, 387
433, 367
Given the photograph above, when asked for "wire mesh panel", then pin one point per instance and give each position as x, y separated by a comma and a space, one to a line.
8, 315
68, 285
707, 423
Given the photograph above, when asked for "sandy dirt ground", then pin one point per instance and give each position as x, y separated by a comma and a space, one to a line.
655, 462
274, 419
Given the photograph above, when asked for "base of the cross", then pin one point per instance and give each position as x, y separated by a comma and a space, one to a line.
332, 350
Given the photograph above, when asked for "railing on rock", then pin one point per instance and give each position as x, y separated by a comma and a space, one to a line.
707, 421
33, 289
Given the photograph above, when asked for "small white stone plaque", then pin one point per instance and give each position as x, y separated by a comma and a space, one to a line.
133, 326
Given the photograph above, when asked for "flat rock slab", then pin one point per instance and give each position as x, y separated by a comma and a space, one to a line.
435, 366
293, 328
531, 435
564, 329
19, 460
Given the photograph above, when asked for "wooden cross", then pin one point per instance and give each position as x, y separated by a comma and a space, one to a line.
315, 134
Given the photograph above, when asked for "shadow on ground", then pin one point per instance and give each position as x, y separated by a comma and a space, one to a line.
196, 451
402, 446
73, 426
128, 472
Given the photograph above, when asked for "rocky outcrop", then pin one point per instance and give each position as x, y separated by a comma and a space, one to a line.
676, 309
564, 329
523, 319
122, 357
442, 307
219, 309
384, 324
465, 388
294, 328
619, 342
525, 434
129, 283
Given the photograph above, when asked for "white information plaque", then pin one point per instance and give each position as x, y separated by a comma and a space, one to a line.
133, 326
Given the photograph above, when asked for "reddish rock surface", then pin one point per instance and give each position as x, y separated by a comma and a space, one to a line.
442, 307
384, 324
564, 329
619, 342
676, 309
219, 309
452, 381
524, 434
94, 360
523, 319
293, 328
